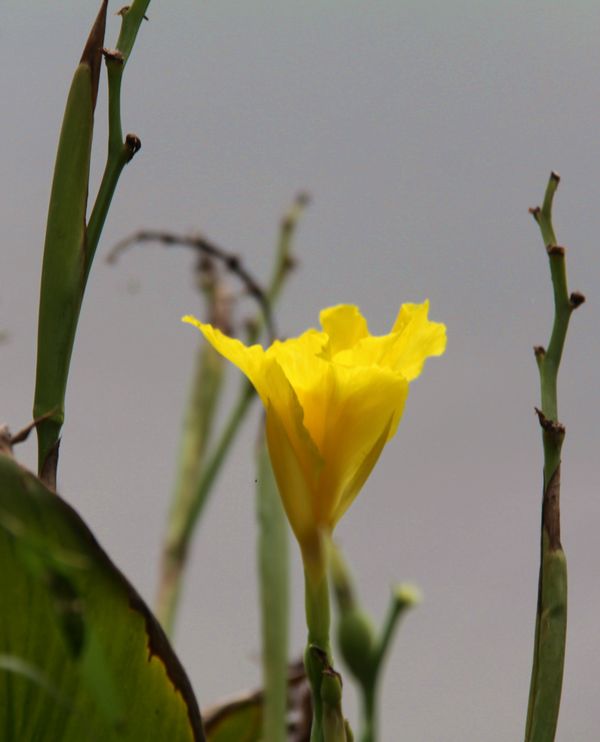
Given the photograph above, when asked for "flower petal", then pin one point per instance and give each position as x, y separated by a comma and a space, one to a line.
346, 414
357, 479
420, 339
345, 326
282, 399
294, 474
250, 360
412, 339
300, 358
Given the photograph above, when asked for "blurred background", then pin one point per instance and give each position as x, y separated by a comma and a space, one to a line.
423, 132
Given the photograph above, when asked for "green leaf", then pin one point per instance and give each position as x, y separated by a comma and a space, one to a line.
81, 656
64, 270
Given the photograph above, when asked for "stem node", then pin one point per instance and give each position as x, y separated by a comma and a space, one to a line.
133, 145
550, 426
113, 55
535, 212
576, 299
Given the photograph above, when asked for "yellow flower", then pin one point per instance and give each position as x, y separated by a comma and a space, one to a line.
333, 399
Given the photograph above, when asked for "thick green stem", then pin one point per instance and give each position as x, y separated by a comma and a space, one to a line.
317, 656
335, 727
551, 617
317, 609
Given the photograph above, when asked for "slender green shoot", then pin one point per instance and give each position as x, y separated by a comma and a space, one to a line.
197, 427
362, 649
551, 616
120, 151
186, 512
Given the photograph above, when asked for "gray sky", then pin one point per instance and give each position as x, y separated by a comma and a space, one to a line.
424, 131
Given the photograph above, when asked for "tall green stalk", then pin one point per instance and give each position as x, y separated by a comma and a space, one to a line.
186, 509
551, 616
70, 241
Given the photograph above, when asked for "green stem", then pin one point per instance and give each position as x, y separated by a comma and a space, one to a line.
403, 598
317, 609
118, 156
335, 727
551, 616
205, 393
215, 462
132, 15
119, 152
369, 720
186, 511
283, 260
317, 656
363, 652
398, 606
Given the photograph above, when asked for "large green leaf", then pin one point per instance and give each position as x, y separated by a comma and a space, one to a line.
81, 656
